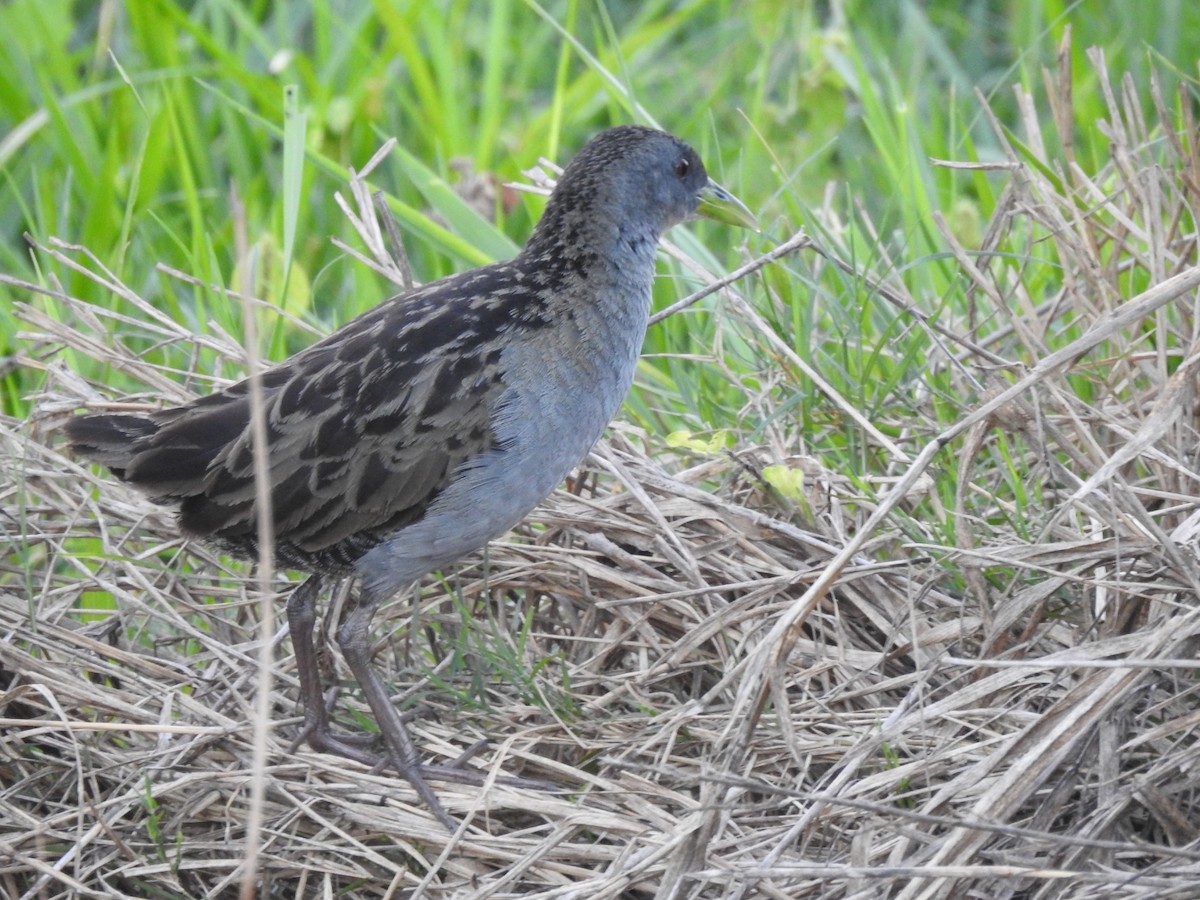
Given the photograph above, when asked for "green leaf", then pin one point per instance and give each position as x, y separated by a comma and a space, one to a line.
787, 481
686, 440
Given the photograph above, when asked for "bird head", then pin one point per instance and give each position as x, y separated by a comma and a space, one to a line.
639, 179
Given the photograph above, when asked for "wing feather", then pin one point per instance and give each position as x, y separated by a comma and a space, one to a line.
365, 428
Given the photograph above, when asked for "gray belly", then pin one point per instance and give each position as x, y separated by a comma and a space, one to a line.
546, 425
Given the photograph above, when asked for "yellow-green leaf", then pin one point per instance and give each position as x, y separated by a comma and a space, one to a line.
787, 481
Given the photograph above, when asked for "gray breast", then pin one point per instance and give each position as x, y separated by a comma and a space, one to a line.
563, 386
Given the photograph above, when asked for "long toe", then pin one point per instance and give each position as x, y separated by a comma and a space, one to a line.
457, 775
351, 746
415, 775
469, 775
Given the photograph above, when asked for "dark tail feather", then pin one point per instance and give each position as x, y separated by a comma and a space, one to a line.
110, 439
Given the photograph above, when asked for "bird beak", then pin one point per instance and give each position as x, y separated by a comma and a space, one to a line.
718, 204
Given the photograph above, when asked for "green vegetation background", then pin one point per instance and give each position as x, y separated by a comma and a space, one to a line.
128, 128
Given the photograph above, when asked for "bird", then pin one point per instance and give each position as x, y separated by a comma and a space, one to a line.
433, 422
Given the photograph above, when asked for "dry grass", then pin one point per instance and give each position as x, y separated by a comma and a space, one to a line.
739, 707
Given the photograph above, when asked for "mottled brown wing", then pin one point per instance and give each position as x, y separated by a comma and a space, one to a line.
364, 428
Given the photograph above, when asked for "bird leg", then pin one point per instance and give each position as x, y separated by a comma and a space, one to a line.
402, 753
355, 642
302, 617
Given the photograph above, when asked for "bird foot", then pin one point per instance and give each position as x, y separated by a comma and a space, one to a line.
457, 775
354, 746
351, 746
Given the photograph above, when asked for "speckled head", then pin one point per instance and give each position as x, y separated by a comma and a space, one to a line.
637, 178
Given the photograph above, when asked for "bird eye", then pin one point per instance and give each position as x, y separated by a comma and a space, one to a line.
682, 166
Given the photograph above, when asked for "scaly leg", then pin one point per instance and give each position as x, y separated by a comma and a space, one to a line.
356, 647
302, 617
402, 753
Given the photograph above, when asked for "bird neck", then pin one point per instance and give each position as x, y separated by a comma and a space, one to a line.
590, 249
596, 277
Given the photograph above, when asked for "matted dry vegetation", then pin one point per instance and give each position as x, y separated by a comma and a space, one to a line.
897, 699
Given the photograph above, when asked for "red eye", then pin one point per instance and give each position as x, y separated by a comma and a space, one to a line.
681, 167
